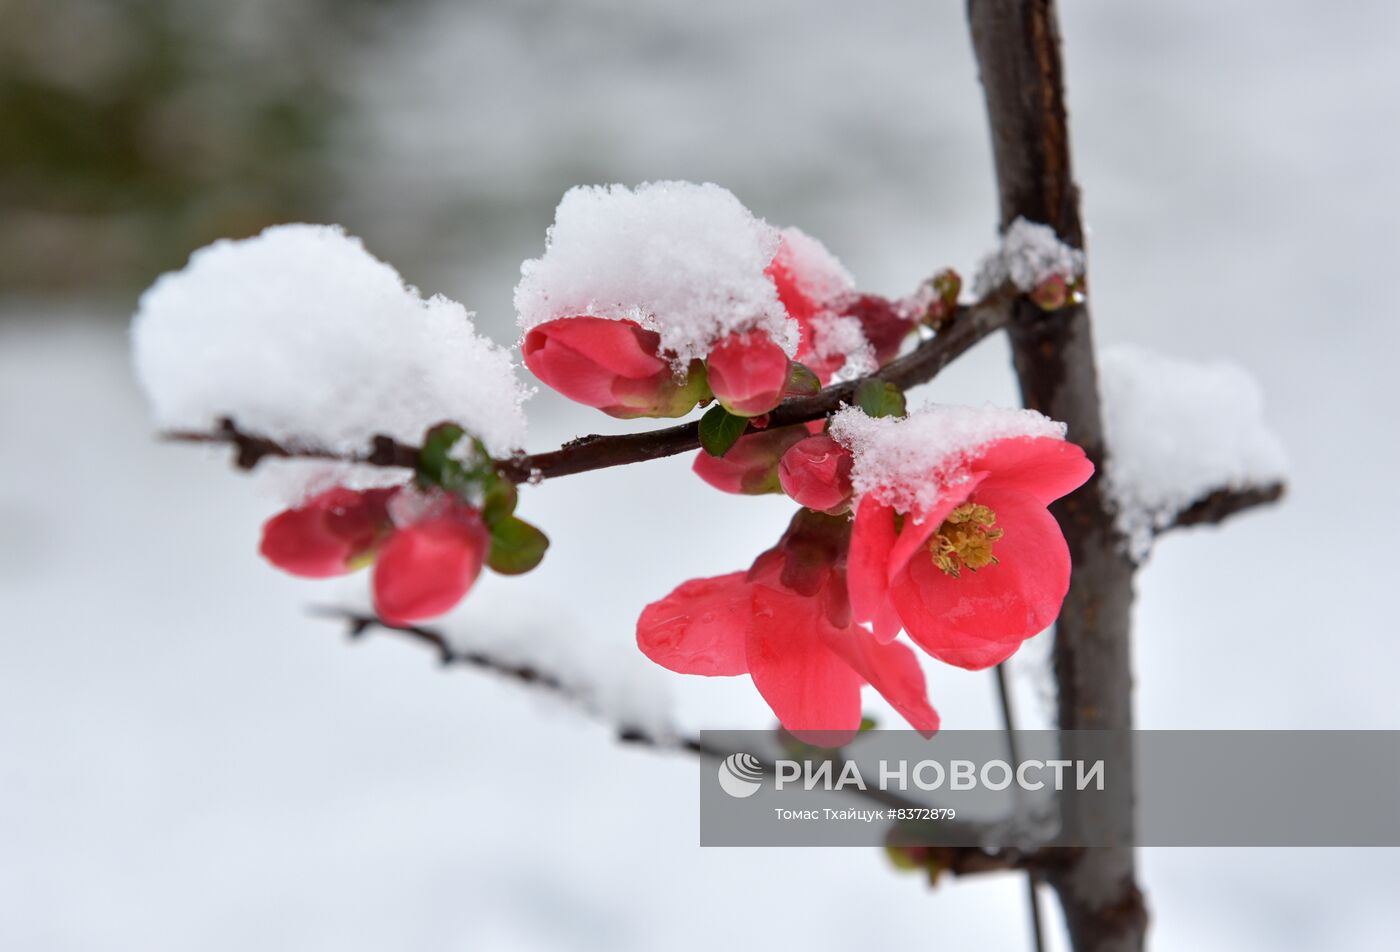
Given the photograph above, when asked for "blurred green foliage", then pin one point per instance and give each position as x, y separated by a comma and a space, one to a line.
132, 131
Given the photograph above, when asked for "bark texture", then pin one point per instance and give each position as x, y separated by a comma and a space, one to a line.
1018, 54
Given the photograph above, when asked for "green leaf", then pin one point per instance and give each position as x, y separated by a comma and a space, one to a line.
516, 546
802, 381
880, 398
498, 498
720, 429
435, 455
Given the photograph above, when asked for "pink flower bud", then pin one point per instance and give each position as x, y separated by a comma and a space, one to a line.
330, 534
427, 567
748, 373
750, 467
611, 365
1051, 294
817, 474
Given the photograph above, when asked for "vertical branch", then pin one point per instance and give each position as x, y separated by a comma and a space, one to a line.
1018, 53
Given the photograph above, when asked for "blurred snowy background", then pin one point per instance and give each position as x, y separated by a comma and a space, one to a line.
188, 760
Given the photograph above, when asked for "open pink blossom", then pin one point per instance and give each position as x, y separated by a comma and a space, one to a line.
981, 569
332, 533
787, 624
750, 468
431, 561
614, 366
748, 373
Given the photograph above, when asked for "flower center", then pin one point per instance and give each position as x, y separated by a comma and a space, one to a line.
964, 540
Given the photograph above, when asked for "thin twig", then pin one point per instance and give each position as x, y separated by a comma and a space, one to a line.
959, 860
1008, 723
1216, 507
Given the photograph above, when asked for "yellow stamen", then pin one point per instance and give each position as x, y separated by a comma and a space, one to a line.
964, 540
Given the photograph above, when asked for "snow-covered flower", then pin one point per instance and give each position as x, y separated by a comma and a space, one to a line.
952, 540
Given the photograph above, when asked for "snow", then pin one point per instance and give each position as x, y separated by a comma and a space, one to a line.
1029, 254
1178, 430
836, 335
818, 274
302, 336
684, 260
607, 679
908, 462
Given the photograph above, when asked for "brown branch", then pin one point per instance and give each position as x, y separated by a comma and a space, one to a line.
969, 325
959, 860
1220, 505
1017, 47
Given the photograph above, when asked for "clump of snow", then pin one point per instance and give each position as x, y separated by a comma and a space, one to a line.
909, 462
815, 270
836, 335
1178, 430
684, 260
303, 336
1029, 254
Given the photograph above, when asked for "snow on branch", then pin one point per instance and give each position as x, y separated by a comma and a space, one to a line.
1187, 442
308, 340
969, 325
657, 733
1030, 253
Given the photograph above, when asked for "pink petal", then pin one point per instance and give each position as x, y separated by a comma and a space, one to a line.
428, 567
810, 689
893, 670
329, 533
878, 555
1043, 468
867, 565
623, 348
982, 617
748, 373
816, 473
751, 465
701, 627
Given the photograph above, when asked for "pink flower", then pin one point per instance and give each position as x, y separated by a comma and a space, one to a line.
431, 562
614, 366
750, 467
787, 624
748, 373
986, 567
817, 474
332, 533
815, 289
